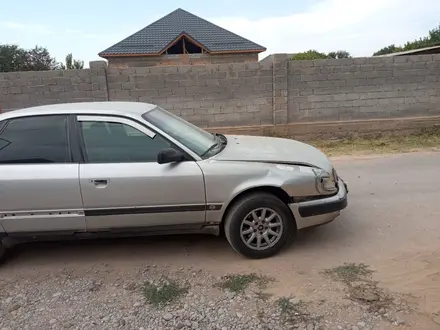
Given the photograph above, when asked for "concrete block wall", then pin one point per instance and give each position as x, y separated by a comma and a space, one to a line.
364, 88
274, 91
209, 96
25, 89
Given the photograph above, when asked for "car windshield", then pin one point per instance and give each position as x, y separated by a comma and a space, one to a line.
198, 140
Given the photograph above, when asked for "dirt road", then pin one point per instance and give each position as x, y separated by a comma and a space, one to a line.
392, 224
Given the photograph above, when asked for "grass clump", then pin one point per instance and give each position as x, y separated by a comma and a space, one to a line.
238, 283
292, 310
349, 272
361, 287
164, 293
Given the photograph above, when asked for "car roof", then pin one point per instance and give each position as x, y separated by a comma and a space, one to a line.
108, 107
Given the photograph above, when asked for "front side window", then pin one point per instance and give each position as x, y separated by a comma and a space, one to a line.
111, 142
35, 140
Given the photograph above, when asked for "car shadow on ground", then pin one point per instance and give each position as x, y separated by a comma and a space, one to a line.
153, 248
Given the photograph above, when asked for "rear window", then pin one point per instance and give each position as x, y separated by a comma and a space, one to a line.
35, 140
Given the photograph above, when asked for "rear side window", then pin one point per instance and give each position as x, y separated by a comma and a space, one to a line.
35, 140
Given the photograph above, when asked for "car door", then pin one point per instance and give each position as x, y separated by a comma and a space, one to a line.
123, 186
39, 182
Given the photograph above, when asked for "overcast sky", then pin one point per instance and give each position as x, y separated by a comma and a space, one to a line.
283, 26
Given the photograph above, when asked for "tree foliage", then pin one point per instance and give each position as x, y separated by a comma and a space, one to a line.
339, 54
14, 58
315, 55
72, 64
39, 59
432, 39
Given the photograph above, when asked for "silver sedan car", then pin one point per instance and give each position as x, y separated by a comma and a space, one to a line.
103, 169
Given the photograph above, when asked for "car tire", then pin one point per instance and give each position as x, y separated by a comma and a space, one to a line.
238, 229
2, 252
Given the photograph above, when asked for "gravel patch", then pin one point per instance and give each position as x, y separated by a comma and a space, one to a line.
100, 299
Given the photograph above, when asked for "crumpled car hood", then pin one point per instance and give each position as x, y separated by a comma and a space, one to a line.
273, 150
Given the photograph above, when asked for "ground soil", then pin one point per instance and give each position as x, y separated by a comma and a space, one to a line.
392, 224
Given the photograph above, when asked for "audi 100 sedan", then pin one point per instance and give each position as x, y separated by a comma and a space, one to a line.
103, 169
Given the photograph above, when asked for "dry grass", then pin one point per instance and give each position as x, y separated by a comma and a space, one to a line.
423, 140
240, 282
360, 286
349, 272
294, 311
164, 293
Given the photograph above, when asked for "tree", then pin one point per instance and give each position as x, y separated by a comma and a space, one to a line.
339, 54
72, 64
309, 55
388, 50
12, 58
315, 55
15, 58
432, 39
39, 59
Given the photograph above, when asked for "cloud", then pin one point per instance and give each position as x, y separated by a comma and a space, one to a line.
23, 27
80, 34
360, 27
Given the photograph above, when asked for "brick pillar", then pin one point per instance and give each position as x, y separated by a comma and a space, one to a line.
97, 64
98, 76
280, 91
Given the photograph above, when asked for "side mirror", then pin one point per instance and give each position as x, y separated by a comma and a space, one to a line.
169, 155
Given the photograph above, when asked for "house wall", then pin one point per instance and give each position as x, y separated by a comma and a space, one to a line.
182, 59
302, 94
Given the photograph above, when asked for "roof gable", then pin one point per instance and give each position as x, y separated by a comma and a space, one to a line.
156, 37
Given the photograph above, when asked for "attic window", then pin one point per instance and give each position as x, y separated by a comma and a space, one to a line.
184, 46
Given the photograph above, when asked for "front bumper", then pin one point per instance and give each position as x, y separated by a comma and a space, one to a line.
320, 211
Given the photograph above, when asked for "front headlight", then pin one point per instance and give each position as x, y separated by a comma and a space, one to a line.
325, 182
328, 183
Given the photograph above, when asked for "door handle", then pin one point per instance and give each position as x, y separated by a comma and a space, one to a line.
100, 183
